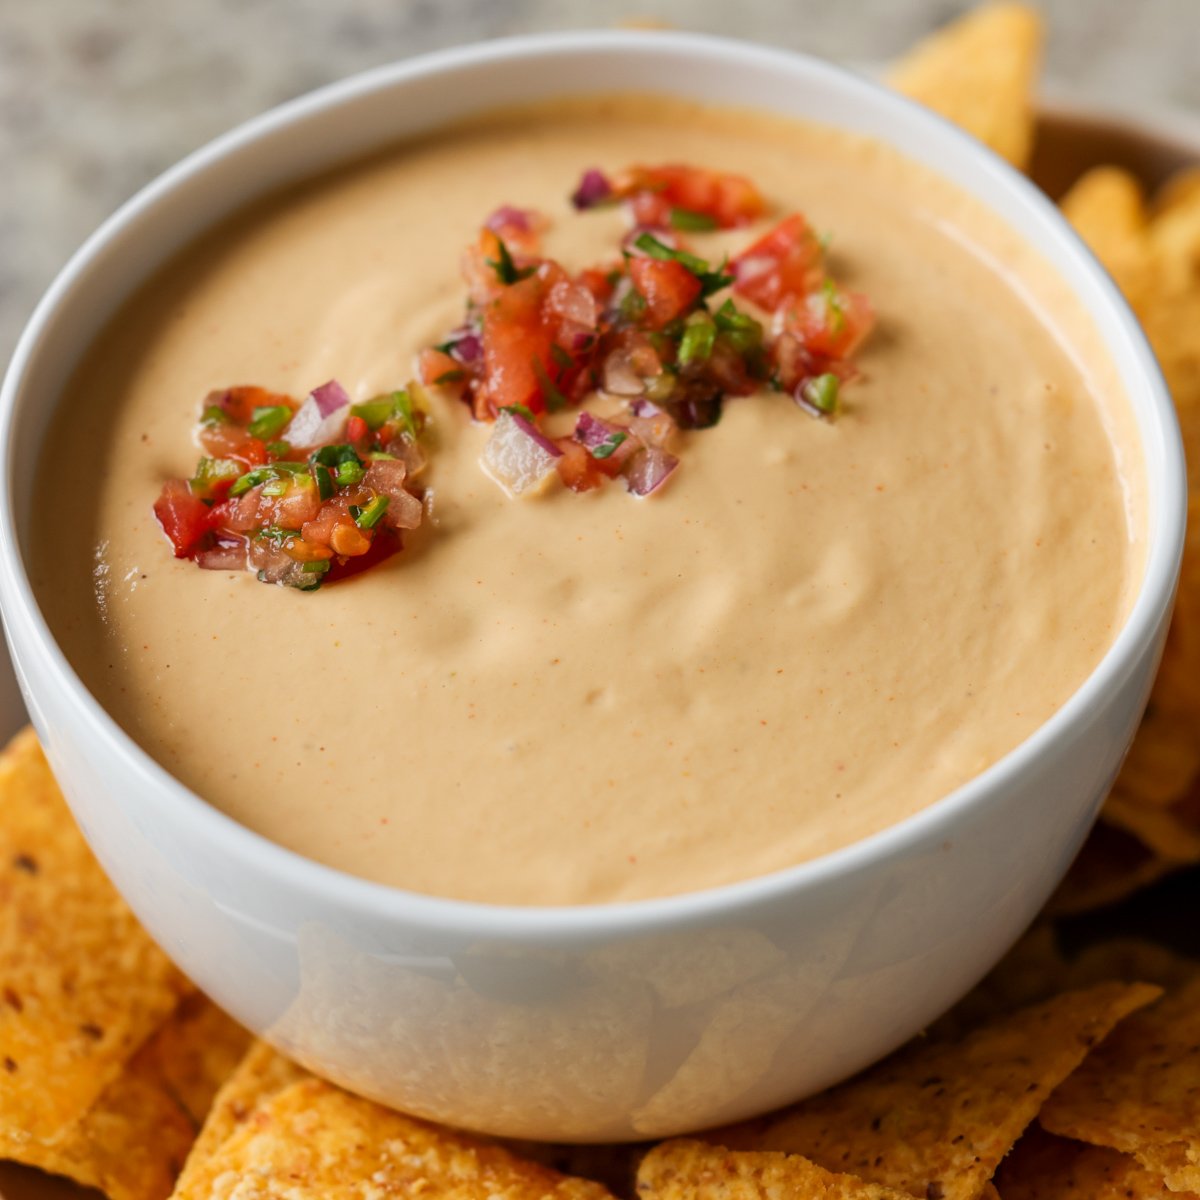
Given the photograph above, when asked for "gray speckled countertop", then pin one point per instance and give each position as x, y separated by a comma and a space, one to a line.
98, 96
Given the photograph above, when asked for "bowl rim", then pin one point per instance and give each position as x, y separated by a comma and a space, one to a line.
1165, 530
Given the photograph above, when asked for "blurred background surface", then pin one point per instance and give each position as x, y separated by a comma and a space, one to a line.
99, 96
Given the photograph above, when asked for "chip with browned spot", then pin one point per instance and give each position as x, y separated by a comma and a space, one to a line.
689, 1170
133, 1141
1140, 1092
311, 1139
1044, 1167
82, 986
980, 71
936, 1118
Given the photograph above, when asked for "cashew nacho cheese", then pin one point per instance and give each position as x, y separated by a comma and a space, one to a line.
818, 628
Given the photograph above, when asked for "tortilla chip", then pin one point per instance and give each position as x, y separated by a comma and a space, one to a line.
937, 1117
981, 72
1175, 231
1112, 865
1044, 1167
261, 1074
1162, 830
736, 1048
83, 984
1140, 1091
1154, 255
196, 1052
1107, 206
687, 1170
311, 1139
1030, 972
1130, 960
1181, 191
132, 1142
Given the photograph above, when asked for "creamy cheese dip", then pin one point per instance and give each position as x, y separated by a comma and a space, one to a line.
815, 630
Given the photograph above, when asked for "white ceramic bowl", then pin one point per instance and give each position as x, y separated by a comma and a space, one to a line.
609, 1022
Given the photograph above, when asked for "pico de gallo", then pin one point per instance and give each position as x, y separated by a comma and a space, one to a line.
657, 329
301, 493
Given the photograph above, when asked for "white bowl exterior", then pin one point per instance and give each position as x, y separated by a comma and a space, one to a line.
614, 1022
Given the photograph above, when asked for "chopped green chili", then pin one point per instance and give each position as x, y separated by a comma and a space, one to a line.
610, 443
698, 340
822, 392
693, 222
506, 270
368, 516
269, 420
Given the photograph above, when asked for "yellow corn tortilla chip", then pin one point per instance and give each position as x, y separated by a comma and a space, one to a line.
82, 986
981, 73
1031, 971
1044, 1167
1164, 830
1130, 960
260, 1074
1153, 252
1181, 191
1140, 1091
312, 1139
937, 1117
133, 1141
1107, 206
1112, 865
196, 1052
688, 1170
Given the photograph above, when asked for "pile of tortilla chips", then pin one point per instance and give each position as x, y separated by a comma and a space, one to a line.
1060, 1077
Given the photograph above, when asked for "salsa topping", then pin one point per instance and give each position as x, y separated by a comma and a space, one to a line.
649, 330
310, 492
301, 493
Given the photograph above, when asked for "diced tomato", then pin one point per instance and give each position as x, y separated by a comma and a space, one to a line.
730, 200
437, 368
356, 429
480, 264
517, 349
253, 451
239, 403
783, 263
183, 517
831, 323
382, 547
668, 288
576, 467
598, 282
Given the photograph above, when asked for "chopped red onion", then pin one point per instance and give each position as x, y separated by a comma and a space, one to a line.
330, 397
224, 556
593, 189
508, 217
620, 378
530, 430
645, 408
591, 431
321, 418
468, 348
648, 469
518, 456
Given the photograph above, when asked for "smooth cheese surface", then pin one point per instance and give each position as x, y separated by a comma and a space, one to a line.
815, 630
